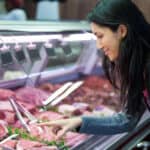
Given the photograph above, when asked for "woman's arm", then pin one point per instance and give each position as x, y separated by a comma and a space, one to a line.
118, 123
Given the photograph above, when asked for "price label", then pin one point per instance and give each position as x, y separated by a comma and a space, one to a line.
20, 56
50, 51
34, 54
6, 58
67, 50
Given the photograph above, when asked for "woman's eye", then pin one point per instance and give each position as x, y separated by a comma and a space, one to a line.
99, 36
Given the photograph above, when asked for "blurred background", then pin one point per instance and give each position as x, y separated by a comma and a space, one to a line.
63, 9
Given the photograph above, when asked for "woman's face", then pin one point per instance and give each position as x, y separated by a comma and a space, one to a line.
107, 40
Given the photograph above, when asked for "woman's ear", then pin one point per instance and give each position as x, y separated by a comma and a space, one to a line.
122, 30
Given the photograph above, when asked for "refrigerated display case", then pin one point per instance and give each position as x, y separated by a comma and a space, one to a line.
51, 47
34, 53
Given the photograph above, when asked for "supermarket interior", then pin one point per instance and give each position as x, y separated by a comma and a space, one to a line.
55, 78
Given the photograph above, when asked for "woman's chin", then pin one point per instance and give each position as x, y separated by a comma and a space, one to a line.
111, 59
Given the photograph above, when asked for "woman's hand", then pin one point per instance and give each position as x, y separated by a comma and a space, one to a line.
60, 127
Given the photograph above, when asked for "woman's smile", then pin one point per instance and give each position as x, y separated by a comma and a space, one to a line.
106, 52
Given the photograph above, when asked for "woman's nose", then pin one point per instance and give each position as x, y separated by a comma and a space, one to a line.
99, 45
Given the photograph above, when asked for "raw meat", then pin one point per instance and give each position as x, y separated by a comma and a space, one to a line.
5, 94
72, 138
10, 144
27, 144
3, 129
31, 95
48, 115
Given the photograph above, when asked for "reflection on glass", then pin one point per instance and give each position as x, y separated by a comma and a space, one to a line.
64, 54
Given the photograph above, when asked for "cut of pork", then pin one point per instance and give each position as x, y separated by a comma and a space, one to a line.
5, 94
31, 95
49, 88
10, 144
3, 130
49, 115
27, 144
8, 116
73, 138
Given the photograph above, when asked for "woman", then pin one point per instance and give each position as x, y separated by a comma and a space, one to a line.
123, 35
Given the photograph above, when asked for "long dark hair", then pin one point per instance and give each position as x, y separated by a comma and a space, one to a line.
129, 67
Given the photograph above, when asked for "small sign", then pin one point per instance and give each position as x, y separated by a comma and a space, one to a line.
67, 49
50, 52
20, 56
34, 54
6, 58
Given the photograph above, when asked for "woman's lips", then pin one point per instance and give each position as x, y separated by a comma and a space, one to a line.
106, 52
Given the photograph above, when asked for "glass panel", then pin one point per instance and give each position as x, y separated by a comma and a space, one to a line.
20, 56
